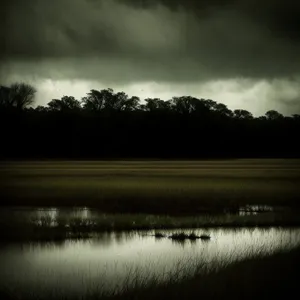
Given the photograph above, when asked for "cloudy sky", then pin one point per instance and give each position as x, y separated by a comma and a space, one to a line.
242, 53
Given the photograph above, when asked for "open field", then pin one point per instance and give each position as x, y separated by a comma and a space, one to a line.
152, 186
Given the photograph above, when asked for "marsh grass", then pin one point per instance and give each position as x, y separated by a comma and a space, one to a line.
183, 236
255, 277
52, 228
159, 235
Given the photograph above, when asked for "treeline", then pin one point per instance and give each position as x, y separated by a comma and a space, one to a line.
108, 124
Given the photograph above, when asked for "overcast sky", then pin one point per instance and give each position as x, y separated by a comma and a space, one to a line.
242, 53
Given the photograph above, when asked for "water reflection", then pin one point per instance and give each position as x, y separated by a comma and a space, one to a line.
50, 216
109, 259
80, 216
254, 209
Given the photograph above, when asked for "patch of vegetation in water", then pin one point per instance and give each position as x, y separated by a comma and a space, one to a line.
188, 236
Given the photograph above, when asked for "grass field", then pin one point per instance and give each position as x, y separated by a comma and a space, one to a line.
152, 186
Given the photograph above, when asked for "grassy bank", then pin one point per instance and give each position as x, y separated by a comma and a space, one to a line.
172, 187
257, 278
274, 277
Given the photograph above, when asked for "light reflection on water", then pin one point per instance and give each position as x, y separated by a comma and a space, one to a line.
63, 216
49, 216
254, 209
85, 265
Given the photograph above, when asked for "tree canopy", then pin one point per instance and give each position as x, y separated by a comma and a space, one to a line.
109, 124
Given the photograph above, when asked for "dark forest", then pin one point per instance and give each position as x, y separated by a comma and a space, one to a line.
111, 125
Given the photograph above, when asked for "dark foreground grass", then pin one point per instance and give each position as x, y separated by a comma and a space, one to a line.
274, 277
160, 187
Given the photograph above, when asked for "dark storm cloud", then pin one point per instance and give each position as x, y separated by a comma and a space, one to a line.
160, 40
280, 16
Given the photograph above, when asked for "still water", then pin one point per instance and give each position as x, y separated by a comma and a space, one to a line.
108, 260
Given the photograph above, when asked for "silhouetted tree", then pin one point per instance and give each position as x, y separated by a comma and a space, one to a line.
155, 104
22, 95
18, 95
98, 100
210, 104
66, 103
41, 108
184, 105
5, 97
242, 114
117, 101
131, 103
108, 124
223, 110
273, 115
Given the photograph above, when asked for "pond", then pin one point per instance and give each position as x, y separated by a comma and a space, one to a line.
109, 261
